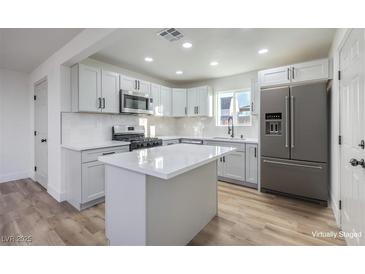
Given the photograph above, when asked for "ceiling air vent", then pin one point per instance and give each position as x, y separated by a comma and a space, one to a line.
171, 34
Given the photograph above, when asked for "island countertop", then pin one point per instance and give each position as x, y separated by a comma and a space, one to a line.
166, 161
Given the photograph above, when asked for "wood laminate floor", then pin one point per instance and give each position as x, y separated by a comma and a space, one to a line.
30, 216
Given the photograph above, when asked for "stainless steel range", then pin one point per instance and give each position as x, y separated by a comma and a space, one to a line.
134, 135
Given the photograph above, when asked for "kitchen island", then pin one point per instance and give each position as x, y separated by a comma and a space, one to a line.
162, 195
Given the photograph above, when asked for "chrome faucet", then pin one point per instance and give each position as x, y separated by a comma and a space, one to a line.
230, 128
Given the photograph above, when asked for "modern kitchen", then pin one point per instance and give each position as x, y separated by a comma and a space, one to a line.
165, 137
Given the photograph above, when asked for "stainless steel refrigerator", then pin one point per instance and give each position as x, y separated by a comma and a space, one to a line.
294, 141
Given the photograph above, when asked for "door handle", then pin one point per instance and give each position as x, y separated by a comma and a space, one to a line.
293, 73
255, 152
292, 121
286, 121
99, 102
43, 140
288, 73
103, 102
355, 162
108, 153
224, 159
362, 144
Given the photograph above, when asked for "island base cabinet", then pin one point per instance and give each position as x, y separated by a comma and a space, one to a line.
92, 181
146, 210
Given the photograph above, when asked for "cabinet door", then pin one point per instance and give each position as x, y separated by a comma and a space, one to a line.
93, 186
110, 91
156, 96
313, 70
275, 76
89, 88
192, 102
165, 99
220, 167
128, 83
205, 101
251, 163
144, 86
234, 166
179, 102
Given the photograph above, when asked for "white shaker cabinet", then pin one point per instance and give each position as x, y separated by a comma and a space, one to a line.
86, 88
313, 70
165, 100
200, 101
274, 76
252, 163
179, 108
110, 91
94, 89
130, 83
234, 166
83, 175
156, 99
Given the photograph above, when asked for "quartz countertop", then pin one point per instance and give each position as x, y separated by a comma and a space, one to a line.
217, 139
166, 161
94, 145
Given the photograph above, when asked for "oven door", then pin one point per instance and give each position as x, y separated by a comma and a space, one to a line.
135, 102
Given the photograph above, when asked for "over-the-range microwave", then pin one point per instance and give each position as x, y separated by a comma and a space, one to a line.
135, 102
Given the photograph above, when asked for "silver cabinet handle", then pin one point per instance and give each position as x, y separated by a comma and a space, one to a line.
286, 120
292, 121
103, 102
99, 102
290, 164
288, 73
293, 73
108, 153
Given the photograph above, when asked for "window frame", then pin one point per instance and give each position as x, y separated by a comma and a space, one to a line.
217, 106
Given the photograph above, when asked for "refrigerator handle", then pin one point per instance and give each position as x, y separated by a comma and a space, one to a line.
286, 121
292, 120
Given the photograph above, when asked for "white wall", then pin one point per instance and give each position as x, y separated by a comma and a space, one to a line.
207, 126
335, 129
15, 142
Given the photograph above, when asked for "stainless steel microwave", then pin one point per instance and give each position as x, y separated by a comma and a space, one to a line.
135, 102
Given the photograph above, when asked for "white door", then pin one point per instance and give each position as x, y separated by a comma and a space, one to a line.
352, 103
110, 91
156, 99
275, 76
127, 83
89, 89
144, 86
313, 70
234, 166
93, 182
165, 101
41, 133
192, 101
251, 163
179, 102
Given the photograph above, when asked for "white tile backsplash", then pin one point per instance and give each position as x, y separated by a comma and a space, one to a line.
88, 127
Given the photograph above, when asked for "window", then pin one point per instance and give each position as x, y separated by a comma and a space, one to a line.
236, 104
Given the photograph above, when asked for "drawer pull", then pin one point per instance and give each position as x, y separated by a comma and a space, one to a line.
290, 164
108, 153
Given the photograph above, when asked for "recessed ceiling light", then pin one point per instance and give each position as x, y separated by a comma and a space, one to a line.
187, 45
214, 63
178, 72
148, 59
263, 51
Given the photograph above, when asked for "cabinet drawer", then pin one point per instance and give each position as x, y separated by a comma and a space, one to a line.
92, 155
238, 146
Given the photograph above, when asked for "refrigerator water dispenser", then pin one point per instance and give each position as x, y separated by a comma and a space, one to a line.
273, 123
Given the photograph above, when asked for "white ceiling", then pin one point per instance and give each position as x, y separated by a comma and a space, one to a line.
234, 49
25, 49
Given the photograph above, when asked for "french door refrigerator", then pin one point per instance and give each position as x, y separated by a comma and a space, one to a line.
294, 141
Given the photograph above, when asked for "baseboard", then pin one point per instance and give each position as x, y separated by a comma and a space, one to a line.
14, 176
58, 196
336, 211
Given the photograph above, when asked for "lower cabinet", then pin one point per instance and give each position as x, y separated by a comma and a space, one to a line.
84, 175
239, 167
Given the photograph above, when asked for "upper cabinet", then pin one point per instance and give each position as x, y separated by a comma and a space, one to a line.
313, 70
308, 71
200, 101
179, 108
94, 90
161, 100
129, 83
